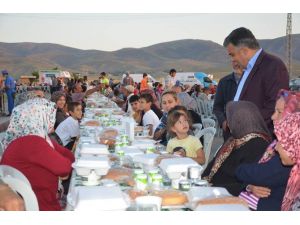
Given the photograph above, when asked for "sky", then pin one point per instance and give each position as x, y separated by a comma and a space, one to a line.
110, 32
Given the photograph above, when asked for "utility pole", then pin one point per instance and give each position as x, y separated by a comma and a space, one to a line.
289, 43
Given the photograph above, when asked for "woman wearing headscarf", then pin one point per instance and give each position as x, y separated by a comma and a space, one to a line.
29, 149
23, 97
250, 137
268, 178
59, 98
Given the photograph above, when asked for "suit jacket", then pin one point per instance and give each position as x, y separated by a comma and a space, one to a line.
266, 78
225, 92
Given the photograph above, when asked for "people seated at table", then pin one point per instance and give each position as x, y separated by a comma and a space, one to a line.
137, 114
183, 144
68, 130
267, 179
169, 101
118, 97
250, 137
150, 119
127, 92
184, 98
29, 149
78, 94
59, 98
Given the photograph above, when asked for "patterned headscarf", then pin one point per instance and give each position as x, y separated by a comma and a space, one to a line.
288, 135
23, 97
292, 101
246, 123
34, 117
292, 105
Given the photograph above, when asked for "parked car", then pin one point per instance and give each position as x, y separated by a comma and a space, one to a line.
295, 84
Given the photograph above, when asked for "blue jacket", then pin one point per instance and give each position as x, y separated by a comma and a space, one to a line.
10, 84
271, 174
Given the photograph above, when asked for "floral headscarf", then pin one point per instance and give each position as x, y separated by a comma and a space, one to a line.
34, 117
23, 97
288, 135
292, 105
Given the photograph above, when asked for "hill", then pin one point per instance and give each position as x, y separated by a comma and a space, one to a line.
184, 55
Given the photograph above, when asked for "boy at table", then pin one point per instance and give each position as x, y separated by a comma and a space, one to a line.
68, 130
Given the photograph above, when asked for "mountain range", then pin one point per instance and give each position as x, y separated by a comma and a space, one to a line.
184, 55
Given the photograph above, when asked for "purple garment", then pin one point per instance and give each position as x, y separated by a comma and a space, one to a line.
78, 97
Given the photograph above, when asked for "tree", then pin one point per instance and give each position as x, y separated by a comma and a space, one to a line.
36, 74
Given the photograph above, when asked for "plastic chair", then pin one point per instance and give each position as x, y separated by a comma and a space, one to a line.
207, 122
20, 184
208, 134
197, 128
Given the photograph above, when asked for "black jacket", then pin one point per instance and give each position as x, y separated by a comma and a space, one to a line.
225, 92
225, 177
271, 174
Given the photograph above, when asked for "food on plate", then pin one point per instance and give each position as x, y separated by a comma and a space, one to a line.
92, 123
109, 133
113, 158
107, 141
223, 200
101, 114
171, 197
122, 175
118, 112
133, 194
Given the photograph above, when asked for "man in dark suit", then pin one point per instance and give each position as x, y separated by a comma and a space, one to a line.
264, 74
225, 92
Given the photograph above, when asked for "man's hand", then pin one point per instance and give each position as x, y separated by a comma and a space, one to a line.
225, 125
9, 200
260, 192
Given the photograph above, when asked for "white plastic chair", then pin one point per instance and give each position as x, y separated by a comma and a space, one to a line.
1, 144
207, 122
197, 128
20, 184
208, 134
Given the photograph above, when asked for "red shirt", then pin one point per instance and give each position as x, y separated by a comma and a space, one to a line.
42, 165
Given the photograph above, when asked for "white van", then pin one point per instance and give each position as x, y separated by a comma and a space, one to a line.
192, 78
138, 77
187, 78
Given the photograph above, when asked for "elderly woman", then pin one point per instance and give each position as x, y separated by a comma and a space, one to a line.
268, 178
250, 138
29, 149
59, 98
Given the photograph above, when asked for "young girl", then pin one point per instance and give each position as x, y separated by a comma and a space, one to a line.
170, 101
150, 119
183, 144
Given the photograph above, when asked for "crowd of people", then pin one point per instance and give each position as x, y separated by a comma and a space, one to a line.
259, 160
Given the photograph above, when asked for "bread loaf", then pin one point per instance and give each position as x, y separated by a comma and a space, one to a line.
133, 194
171, 197
223, 201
